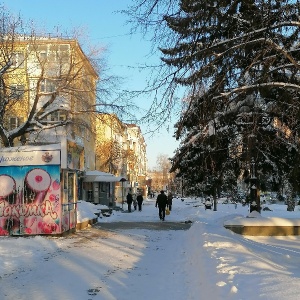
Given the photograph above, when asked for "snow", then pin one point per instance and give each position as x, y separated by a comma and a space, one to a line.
206, 261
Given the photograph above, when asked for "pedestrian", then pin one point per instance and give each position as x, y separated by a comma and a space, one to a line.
129, 201
140, 200
134, 201
161, 202
170, 201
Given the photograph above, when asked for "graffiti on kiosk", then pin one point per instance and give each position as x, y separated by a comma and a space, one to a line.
8, 210
30, 199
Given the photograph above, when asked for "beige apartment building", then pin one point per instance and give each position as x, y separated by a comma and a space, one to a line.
137, 160
121, 151
48, 86
56, 78
51, 86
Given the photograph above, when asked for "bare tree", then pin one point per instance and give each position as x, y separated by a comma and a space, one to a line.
148, 18
163, 163
109, 154
48, 84
160, 174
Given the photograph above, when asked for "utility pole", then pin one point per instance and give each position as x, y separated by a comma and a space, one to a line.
255, 201
182, 186
215, 198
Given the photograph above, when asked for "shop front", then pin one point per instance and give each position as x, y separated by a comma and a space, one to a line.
100, 187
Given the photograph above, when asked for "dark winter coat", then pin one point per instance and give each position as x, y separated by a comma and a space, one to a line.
170, 198
162, 200
129, 198
139, 199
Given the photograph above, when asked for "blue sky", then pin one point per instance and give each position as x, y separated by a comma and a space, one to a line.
106, 28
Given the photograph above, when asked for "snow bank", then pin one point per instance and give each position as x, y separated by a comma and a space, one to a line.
87, 211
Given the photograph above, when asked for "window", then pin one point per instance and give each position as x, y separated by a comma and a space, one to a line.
59, 53
47, 86
14, 122
57, 116
43, 56
103, 186
16, 91
18, 60
62, 116
54, 116
64, 53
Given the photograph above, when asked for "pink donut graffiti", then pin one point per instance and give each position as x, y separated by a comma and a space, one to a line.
36, 184
8, 189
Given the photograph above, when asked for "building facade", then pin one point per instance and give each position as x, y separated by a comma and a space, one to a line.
51, 87
121, 150
136, 160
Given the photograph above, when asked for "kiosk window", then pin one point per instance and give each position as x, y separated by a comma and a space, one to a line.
70, 187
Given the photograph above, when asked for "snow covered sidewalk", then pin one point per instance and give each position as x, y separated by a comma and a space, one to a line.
205, 262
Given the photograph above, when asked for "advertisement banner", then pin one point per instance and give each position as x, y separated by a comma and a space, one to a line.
30, 199
33, 158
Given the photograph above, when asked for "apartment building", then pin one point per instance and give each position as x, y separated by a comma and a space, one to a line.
47, 133
136, 162
109, 154
52, 85
121, 151
52, 89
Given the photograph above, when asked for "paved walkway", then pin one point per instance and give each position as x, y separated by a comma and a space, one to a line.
144, 225
106, 230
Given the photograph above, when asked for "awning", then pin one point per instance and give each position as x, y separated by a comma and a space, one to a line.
98, 176
96, 173
108, 179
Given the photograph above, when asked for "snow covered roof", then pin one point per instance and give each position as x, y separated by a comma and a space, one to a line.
98, 176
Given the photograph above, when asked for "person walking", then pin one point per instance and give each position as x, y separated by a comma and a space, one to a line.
170, 201
140, 200
129, 201
161, 202
134, 201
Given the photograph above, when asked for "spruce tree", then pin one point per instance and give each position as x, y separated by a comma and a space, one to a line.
239, 62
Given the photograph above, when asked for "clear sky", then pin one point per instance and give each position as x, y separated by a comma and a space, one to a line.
106, 28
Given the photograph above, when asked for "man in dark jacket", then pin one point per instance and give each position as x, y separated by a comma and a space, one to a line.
129, 201
161, 202
140, 199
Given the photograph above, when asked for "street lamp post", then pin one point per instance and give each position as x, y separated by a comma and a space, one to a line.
255, 203
122, 182
215, 200
122, 193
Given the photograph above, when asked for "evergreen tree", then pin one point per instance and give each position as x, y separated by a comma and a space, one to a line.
239, 61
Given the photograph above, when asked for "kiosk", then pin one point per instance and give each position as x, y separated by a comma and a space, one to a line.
37, 195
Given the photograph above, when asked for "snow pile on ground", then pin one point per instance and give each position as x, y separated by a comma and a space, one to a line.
205, 262
85, 211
